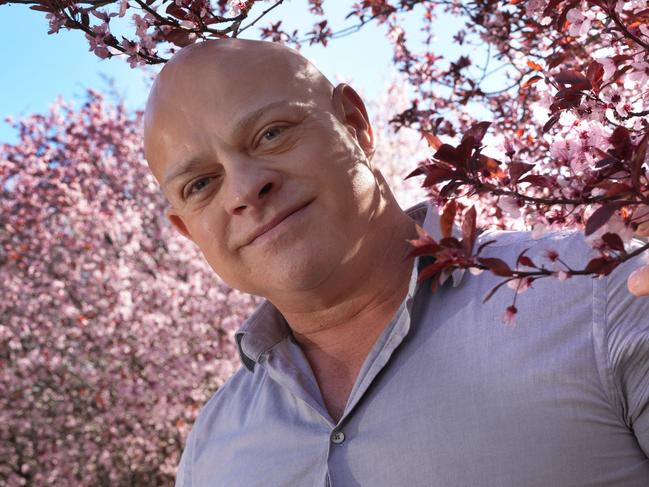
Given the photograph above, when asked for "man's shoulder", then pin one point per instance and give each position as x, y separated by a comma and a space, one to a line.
230, 401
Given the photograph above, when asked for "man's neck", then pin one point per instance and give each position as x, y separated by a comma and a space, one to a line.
337, 337
371, 289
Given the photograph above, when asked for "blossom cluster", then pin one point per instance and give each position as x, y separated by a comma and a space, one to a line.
113, 329
143, 31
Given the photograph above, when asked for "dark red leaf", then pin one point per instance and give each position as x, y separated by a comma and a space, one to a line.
595, 73
530, 81
517, 169
419, 171
601, 216
566, 99
447, 219
451, 242
464, 151
551, 121
426, 249
497, 266
638, 161
555, 59
477, 132
552, 5
469, 230
181, 37
526, 261
436, 176
617, 189
434, 142
489, 164
614, 241
606, 162
176, 11
601, 265
431, 270
449, 188
448, 153
573, 78
621, 140
538, 180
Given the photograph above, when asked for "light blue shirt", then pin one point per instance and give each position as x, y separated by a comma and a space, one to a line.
449, 395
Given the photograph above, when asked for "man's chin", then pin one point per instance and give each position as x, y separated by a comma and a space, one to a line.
296, 275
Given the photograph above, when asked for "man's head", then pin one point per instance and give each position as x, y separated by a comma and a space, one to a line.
265, 164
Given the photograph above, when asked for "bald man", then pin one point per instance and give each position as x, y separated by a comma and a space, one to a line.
354, 373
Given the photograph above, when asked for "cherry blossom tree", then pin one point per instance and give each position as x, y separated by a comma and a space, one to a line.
113, 330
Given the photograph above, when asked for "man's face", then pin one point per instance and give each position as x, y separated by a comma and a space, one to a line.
259, 169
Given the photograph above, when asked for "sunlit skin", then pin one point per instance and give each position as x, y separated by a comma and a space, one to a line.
242, 133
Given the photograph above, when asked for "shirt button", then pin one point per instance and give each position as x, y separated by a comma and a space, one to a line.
337, 437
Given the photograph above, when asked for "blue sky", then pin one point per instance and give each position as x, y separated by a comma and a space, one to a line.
38, 67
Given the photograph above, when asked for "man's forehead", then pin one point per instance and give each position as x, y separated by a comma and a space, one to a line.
221, 84
200, 76
231, 62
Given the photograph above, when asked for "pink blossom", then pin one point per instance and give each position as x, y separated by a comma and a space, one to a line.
609, 67
552, 255
511, 206
562, 275
510, 315
123, 331
520, 285
579, 23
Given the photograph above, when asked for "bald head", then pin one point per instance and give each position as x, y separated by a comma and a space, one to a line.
203, 79
243, 135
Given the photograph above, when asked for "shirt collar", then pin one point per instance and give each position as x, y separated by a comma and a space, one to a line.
266, 327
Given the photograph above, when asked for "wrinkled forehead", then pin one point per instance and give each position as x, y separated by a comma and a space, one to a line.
214, 83
237, 71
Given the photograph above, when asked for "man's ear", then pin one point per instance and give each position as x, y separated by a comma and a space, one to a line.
351, 108
178, 223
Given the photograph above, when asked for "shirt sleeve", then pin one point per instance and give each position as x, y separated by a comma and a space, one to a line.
627, 319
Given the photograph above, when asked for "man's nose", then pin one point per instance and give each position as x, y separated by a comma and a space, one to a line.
249, 187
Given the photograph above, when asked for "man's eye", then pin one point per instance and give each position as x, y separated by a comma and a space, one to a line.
272, 132
197, 185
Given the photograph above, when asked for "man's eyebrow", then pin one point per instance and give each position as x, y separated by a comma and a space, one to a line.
241, 126
183, 168
245, 123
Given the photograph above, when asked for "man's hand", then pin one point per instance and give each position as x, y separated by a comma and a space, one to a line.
638, 282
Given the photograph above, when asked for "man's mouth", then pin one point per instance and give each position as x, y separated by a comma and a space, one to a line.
264, 232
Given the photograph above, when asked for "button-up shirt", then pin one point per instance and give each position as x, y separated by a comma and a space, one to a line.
449, 395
